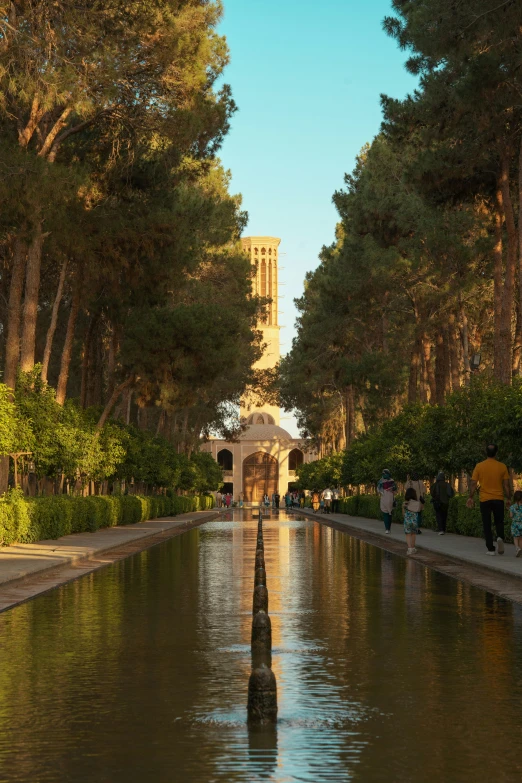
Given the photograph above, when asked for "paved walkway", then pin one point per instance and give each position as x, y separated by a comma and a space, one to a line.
464, 548
22, 561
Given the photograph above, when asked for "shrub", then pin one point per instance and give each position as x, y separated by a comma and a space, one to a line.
26, 520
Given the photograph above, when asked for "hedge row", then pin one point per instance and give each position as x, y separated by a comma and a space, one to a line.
26, 520
462, 520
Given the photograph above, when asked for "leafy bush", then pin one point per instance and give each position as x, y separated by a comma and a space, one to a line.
25, 520
65, 444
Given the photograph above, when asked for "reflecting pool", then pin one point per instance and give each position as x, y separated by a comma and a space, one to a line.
386, 670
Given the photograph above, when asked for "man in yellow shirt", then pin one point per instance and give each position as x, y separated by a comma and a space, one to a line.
492, 477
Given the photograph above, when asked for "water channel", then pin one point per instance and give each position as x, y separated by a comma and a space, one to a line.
386, 670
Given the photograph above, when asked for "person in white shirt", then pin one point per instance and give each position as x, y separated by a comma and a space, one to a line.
327, 497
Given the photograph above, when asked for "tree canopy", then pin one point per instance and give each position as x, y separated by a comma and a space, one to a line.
426, 269
121, 272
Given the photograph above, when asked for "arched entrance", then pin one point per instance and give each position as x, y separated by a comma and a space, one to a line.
260, 476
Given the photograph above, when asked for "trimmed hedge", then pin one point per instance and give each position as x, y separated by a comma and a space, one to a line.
461, 520
26, 520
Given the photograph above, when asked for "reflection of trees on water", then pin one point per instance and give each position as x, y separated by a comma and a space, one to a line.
382, 665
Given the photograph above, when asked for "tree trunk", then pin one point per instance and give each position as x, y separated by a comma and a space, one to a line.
517, 345
464, 335
14, 313
350, 415
414, 373
144, 418
128, 408
124, 386
385, 323
518, 340
61, 389
161, 423
93, 380
424, 379
447, 361
498, 271
453, 352
440, 368
114, 346
509, 277
52, 326
97, 398
428, 365
32, 290
86, 361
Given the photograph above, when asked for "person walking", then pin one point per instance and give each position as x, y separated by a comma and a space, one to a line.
219, 499
387, 489
315, 501
288, 500
492, 478
515, 512
327, 497
228, 499
266, 500
414, 482
410, 510
335, 501
277, 499
441, 493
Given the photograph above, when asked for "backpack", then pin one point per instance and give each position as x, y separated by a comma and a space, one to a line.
442, 493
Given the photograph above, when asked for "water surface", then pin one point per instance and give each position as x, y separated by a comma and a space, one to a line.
386, 670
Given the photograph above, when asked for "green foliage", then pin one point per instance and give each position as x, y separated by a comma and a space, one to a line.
429, 438
28, 520
64, 441
320, 473
452, 438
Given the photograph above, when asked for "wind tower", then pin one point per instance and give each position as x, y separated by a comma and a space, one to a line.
263, 254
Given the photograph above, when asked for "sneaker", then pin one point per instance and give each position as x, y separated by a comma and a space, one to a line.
491, 554
419, 532
442, 533
414, 550
410, 551
518, 551
500, 546
386, 532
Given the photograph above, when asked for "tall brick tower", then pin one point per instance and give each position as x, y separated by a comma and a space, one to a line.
263, 254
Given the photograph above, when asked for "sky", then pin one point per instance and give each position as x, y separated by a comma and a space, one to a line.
307, 78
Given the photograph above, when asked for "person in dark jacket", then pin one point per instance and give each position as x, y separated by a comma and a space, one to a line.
441, 494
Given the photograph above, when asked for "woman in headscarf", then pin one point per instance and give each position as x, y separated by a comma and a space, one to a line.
387, 489
441, 494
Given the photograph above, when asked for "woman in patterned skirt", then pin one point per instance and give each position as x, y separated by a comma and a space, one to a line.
515, 512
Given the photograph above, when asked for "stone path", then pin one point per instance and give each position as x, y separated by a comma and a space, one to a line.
29, 569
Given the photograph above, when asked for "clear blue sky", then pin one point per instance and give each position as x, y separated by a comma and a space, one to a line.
307, 77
